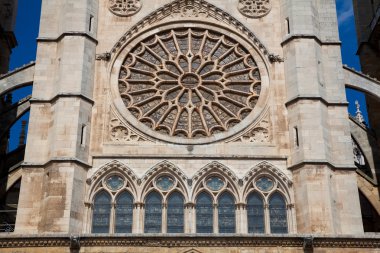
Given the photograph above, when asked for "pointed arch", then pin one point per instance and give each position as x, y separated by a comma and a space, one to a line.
113, 167
189, 10
266, 168
218, 170
161, 169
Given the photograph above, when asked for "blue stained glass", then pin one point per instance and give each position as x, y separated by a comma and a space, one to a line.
255, 212
153, 213
264, 184
277, 213
124, 213
226, 213
114, 183
204, 213
175, 213
165, 183
214, 183
101, 213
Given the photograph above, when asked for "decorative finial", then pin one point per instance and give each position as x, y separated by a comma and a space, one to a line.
359, 115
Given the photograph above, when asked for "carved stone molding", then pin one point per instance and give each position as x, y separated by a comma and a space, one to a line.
112, 166
260, 133
265, 166
190, 8
292, 241
254, 8
161, 167
217, 167
124, 8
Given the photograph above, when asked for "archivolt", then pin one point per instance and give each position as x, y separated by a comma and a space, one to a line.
189, 10
112, 167
216, 169
266, 168
163, 168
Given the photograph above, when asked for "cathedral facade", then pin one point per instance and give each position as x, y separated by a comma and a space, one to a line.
190, 126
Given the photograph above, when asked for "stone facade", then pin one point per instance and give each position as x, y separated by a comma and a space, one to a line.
122, 90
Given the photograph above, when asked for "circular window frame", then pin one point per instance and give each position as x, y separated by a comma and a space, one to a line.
105, 185
138, 126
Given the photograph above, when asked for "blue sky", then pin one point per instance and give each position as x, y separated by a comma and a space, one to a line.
27, 32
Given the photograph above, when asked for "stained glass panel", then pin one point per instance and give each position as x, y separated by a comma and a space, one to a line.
124, 213
264, 184
101, 213
226, 213
175, 213
114, 183
278, 216
255, 212
153, 213
165, 183
204, 213
214, 183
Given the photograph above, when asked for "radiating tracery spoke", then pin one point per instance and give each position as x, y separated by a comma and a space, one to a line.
190, 83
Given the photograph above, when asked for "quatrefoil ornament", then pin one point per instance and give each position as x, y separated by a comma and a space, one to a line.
254, 8
124, 8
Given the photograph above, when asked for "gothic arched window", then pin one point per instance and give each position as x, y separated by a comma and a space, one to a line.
278, 214
226, 213
204, 213
102, 213
175, 213
153, 213
124, 213
255, 212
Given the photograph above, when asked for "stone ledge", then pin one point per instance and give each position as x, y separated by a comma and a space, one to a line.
192, 240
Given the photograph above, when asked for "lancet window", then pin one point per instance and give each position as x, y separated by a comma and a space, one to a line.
215, 205
112, 210
267, 209
164, 205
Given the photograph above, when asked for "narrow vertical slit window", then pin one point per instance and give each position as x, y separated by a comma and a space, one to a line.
175, 214
287, 25
296, 137
204, 213
124, 213
226, 213
278, 214
83, 135
102, 212
153, 213
90, 23
255, 212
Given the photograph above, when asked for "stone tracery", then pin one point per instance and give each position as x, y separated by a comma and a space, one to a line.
189, 83
124, 7
254, 8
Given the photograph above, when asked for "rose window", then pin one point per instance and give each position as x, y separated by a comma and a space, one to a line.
189, 83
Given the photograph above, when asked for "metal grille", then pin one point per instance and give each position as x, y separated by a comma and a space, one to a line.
102, 212
204, 213
278, 217
124, 213
255, 211
226, 213
153, 213
175, 213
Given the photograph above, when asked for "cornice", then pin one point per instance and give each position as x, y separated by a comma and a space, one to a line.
61, 95
187, 240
